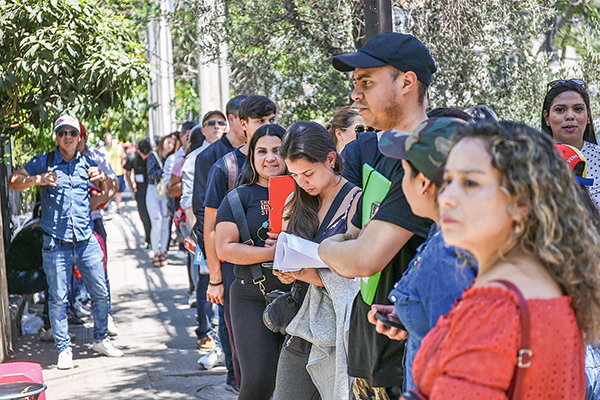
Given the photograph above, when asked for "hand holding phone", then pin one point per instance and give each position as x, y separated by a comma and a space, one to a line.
390, 321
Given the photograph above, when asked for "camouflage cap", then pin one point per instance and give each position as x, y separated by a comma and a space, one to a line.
426, 147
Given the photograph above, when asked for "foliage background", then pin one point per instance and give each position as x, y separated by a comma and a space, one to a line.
90, 58
62, 56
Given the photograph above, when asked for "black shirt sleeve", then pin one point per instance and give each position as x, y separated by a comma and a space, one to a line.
396, 210
217, 185
352, 161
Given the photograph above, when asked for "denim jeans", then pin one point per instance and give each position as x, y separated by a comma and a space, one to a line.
58, 259
204, 308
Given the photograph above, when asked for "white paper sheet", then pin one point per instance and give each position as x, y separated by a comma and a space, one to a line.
294, 253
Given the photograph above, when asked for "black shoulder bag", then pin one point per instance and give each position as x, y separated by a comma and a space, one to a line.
282, 307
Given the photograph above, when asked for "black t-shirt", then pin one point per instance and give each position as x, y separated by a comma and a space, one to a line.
218, 179
373, 356
204, 162
255, 201
136, 163
361, 151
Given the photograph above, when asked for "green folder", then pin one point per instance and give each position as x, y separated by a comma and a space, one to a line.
375, 188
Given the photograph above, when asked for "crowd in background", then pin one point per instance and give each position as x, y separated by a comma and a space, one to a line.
462, 252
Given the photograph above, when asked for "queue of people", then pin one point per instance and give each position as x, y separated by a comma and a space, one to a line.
462, 253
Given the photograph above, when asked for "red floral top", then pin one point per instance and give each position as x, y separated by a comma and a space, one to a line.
477, 357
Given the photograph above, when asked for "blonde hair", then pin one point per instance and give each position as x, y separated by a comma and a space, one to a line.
556, 226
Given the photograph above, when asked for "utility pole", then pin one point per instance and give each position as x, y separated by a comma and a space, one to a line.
378, 17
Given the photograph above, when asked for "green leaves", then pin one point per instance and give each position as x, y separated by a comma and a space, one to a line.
63, 56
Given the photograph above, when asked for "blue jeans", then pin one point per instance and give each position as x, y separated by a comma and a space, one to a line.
58, 259
204, 308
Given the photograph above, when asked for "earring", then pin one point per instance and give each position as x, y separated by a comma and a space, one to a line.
519, 229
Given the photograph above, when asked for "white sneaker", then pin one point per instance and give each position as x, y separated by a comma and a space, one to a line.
192, 299
107, 348
212, 359
65, 359
112, 328
180, 254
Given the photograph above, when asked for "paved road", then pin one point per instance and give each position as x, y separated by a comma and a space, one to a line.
156, 332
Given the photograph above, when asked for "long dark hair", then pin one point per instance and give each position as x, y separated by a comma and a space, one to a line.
589, 135
311, 142
249, 174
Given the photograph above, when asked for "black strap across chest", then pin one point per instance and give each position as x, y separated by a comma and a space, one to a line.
240, 220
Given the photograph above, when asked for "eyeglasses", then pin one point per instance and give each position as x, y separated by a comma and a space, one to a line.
362, 128
560, 82
64, 132
214, 122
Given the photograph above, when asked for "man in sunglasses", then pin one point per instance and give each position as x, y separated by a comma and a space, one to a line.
64, 176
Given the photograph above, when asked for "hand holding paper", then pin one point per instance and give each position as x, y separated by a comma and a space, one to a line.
294, 253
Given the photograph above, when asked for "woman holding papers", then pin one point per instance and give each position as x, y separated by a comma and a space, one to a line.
242, 239
313, 362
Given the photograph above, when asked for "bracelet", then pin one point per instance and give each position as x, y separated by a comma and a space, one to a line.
215, 284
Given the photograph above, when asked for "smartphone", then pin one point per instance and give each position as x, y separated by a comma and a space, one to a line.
392, 322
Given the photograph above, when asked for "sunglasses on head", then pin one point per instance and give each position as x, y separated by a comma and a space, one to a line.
214, 122
560, 82
362, 128
72, 133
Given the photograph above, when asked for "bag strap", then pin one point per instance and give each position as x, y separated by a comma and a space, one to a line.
525, 354
242, 222
339, 198
232, 169
50, 161
240, 217
160, 164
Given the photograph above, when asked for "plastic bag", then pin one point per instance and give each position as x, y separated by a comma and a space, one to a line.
31, 323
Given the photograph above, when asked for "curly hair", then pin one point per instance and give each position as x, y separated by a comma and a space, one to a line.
557, 226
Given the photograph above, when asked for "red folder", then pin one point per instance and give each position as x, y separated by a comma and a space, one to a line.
280, 188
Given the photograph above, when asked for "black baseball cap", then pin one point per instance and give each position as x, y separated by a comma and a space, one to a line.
404, 52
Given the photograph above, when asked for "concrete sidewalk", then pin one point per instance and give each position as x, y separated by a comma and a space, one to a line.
156, 332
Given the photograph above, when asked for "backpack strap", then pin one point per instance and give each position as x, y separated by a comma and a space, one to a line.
50, 160
240, 220
232, 169
525, 354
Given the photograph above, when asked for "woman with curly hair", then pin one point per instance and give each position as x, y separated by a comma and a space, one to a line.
510, 200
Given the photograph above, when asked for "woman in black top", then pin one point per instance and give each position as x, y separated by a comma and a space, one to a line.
256, 346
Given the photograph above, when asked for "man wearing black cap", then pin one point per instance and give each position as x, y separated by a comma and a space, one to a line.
391, 74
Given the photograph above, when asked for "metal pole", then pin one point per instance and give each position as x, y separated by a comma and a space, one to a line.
378, 17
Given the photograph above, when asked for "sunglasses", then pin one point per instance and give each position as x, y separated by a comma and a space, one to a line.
214, 122
560, 82
64, 132
362, 128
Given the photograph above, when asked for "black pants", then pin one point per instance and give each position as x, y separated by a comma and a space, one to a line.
257, 347
140, 198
